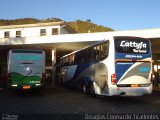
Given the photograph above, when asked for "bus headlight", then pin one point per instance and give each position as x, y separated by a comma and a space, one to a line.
14, 85
38, 84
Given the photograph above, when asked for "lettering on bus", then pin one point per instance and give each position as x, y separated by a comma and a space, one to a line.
133, 56
132, 45
138, 47
23, 57
144, 69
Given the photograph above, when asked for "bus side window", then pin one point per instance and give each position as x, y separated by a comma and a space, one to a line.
92, 53
95, 53
75, 58
66, 61
82, 56
87, 54
79, 57
104, 51
100, 51
71, 59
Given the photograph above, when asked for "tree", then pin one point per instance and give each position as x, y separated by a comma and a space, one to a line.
88, 20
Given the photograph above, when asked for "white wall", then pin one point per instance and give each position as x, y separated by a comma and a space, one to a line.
29, 32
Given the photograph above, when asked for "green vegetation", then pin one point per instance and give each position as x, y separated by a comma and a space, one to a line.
26, 21
78, 25
86, 26
18, 21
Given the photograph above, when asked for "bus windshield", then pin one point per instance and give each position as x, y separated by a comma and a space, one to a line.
24, 56
132, 45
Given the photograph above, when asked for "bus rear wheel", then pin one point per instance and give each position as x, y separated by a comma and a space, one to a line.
85, 88
92, 90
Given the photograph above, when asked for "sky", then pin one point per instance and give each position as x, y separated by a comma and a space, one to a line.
115, 14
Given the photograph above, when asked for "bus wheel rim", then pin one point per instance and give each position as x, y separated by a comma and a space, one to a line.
84, 88
92, 91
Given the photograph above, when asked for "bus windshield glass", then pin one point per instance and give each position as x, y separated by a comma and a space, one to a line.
34, 57
132, 45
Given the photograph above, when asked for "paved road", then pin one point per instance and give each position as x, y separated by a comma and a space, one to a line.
65, 101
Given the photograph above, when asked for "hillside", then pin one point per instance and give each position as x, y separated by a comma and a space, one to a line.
78, 25
86, 26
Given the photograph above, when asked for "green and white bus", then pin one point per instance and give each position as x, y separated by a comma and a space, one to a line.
26, 68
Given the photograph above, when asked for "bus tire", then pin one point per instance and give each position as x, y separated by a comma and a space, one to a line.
85, 88
92, 90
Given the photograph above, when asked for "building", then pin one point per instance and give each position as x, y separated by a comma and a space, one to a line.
35, 30
58, 39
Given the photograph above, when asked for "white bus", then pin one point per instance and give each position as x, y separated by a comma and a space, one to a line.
26, 68
119, 65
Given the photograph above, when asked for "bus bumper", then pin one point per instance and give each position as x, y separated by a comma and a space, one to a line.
25, 87
130, 91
